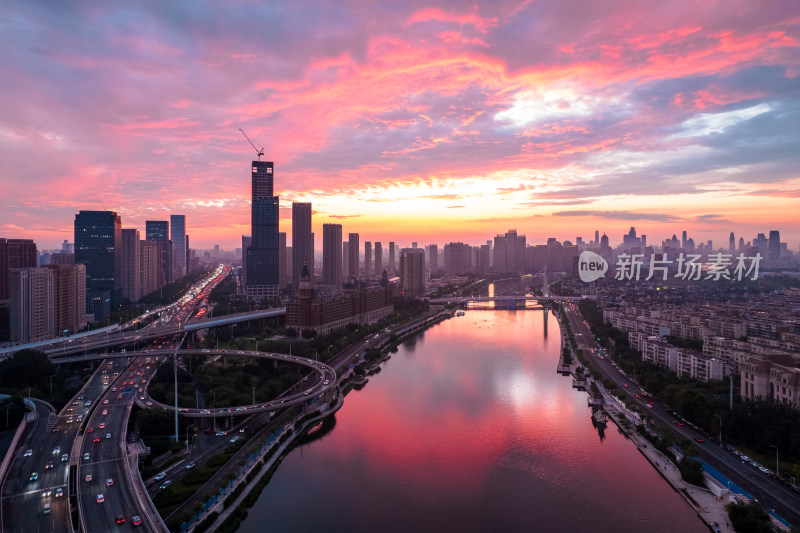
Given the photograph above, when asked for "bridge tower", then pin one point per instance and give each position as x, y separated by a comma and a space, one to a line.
545, 284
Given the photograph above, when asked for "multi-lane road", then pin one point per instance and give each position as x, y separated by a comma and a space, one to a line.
772, 494
64, 462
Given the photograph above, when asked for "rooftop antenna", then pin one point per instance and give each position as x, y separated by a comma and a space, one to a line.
259, 151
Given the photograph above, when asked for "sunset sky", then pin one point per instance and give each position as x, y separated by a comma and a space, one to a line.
425, 121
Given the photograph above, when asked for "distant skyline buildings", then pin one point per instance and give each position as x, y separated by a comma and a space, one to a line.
98, 246
302, 242
332, 255
178, 238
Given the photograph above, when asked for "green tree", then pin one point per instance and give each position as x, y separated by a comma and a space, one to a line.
748, 517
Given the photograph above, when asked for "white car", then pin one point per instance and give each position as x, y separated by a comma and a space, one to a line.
160, 476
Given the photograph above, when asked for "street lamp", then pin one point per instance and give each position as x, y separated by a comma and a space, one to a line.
777, 463
720, 429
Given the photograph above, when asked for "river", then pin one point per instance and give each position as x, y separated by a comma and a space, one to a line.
469, 428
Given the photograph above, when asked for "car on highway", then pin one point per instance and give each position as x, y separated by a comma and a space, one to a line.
87, 478
160, 476
59, 492
102, 425
234, 439
100, 498
105, 412
56, 450
136, 521
119, 519
28, 453
85, 456
46, 493
96, 440
190, 466
49, 465
109, 482
64, 457
34, 476
166, 484
90, 430
108, 435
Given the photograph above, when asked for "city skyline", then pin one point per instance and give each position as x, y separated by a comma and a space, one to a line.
406, 122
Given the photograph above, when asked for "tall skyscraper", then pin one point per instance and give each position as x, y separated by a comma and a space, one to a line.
367, 260
98, 245
378, 259
412, 272
263, 254
158, 231
31, 304
332, 255
353, 239
178, 238
732, 244
392, 264
302, 243
129, 279
247, 242
774, 245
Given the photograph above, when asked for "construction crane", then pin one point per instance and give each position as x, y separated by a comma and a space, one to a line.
259, 151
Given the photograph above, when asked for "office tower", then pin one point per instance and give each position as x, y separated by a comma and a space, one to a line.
378, 259
367, 260
643, 240
247, 242
150, 272
392, 265
579, 241
412, 272
98, 245
741, 244
216, 250
732, 244
283, 261
66, 247
774, 245
346, 259
263, 254
31, 304
189, 258
353, 239
596, 237
178, 238
129, 278
332, 255
156, 230
69, 299
414, 245
433, 257
302, 243
684, 241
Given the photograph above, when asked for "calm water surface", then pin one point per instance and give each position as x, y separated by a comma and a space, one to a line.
469, 428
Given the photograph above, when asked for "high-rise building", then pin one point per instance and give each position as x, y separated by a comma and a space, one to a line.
263, 254
178, 238
130, 273
98, 245
15, 253
412, 272
247, 242
378, 259
158, 231
596, 237
346, 259
332, 255
774, 245
433, 257
353, 239
732, 244
302, 243
150, 272
367, 260
482, 260
69, 295
392, 264
684, 240
284, 258
457, 257
31, 304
